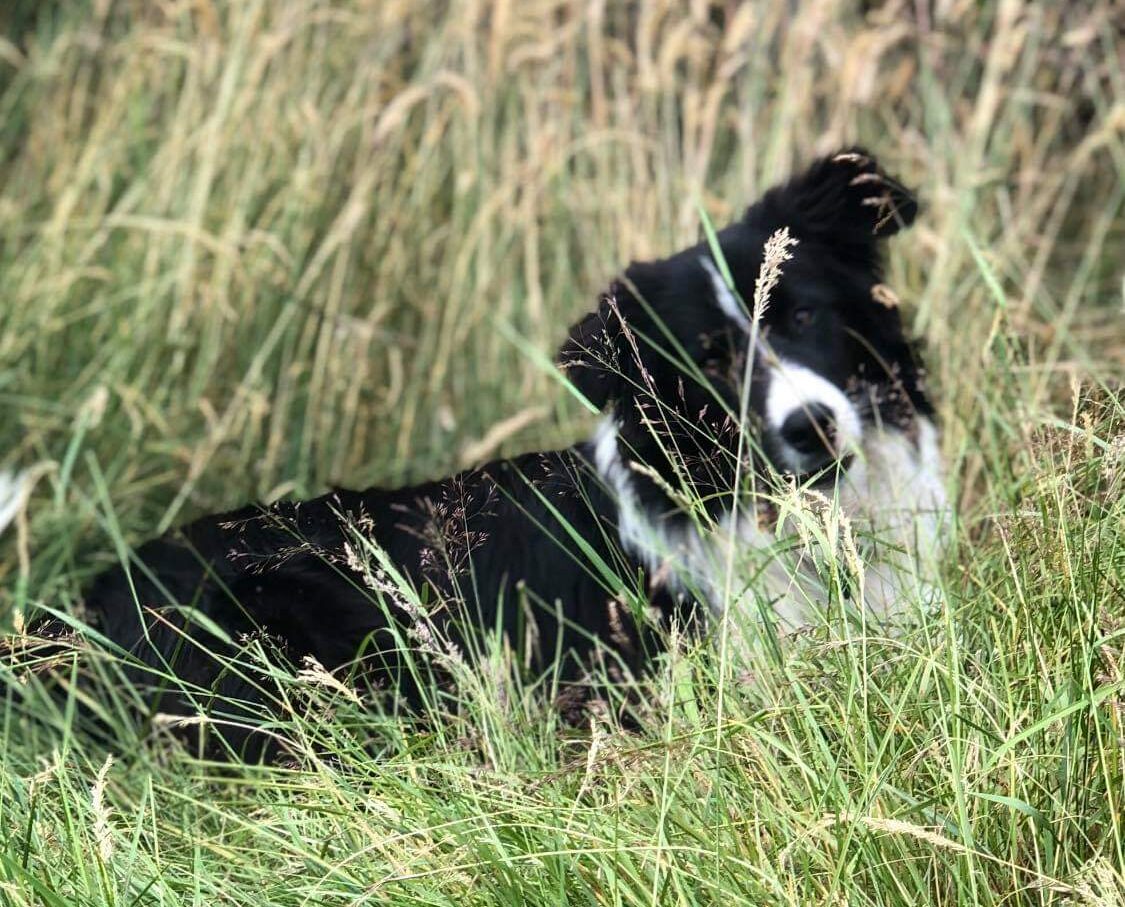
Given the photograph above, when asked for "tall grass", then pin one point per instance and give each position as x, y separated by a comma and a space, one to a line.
251, 249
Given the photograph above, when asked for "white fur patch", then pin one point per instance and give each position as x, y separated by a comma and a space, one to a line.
885, 520
794, 388
659, 548
14, 488
894, 494
883, 524
726, 299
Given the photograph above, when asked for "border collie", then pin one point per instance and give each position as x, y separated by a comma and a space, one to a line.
731, 379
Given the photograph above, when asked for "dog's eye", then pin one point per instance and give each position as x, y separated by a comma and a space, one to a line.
802, 317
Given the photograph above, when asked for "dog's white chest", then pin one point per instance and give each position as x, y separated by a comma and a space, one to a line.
883, 532
882, 529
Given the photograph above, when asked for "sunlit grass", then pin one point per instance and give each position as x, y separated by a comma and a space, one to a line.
252, 249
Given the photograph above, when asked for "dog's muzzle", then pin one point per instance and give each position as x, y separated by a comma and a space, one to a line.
811, 424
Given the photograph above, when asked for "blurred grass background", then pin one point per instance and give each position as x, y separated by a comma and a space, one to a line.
251, 249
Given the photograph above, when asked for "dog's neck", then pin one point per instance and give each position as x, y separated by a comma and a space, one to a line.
892, 498
675, 553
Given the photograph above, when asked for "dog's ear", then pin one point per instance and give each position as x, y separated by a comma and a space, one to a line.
591, 355
602, 355
844, 197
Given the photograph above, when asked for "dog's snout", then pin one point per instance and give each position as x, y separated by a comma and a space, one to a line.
810, 429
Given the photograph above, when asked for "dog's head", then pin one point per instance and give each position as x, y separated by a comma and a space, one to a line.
672, 344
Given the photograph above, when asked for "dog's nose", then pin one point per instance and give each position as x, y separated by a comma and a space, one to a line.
810, 430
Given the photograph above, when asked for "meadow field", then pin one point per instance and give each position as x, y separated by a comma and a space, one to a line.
253, 249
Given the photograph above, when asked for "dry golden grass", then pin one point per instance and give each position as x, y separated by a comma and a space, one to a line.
306, 219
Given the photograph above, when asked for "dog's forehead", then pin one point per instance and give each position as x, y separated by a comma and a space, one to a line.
804, 285
809, 278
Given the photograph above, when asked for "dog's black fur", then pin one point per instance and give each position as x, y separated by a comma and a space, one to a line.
533, 539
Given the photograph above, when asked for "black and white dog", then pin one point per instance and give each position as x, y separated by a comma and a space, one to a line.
717, 403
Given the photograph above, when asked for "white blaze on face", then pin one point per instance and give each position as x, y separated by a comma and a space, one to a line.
726, 299
14, 488
793, 388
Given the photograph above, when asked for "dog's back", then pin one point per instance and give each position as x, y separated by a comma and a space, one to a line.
356, 579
